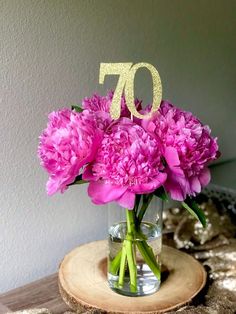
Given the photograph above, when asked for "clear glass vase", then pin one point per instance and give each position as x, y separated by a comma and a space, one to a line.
135, 241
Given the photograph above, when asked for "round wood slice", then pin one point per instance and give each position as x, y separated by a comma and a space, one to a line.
83, 282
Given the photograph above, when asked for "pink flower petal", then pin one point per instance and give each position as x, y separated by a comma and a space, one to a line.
195, 185
187, 146
175, 191
102, 193
88, 174
172, 157
51, 186
151, 186
69, 142
128, 157
205, 177
54, 185
127, 200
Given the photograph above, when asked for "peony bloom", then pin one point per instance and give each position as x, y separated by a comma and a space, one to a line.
70, 141
98, 103
187, 147
127, 163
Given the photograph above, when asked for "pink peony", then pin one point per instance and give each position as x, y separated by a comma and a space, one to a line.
98, 103
127, 163
70, 141
187, 147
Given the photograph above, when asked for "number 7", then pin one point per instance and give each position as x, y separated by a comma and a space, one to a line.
121, 69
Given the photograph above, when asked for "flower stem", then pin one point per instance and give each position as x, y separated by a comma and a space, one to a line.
114, 265
129, 243
132, 265
146, 201
134, 238
130, 218
149, 257
122, 266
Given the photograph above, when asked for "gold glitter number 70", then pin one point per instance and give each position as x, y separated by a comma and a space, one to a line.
126, 72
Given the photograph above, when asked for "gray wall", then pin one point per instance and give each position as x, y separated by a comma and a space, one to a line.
49, 57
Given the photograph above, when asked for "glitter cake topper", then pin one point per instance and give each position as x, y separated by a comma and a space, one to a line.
125, 84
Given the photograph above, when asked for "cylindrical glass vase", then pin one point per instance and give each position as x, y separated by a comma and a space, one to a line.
135, 242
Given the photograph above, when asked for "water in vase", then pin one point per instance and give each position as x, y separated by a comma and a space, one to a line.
147, 282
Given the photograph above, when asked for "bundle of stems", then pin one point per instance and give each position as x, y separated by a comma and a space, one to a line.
134, 239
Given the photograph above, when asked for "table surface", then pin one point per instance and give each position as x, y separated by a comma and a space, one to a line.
42, 293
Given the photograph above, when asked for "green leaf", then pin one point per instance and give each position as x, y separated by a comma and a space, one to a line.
161, 193
146, 201
76, 108
195, 211
78, 180
137, 202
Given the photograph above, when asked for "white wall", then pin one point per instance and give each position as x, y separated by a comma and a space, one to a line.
49, 57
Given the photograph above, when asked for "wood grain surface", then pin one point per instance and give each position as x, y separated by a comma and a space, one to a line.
42, 293
4, 309
83, 283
